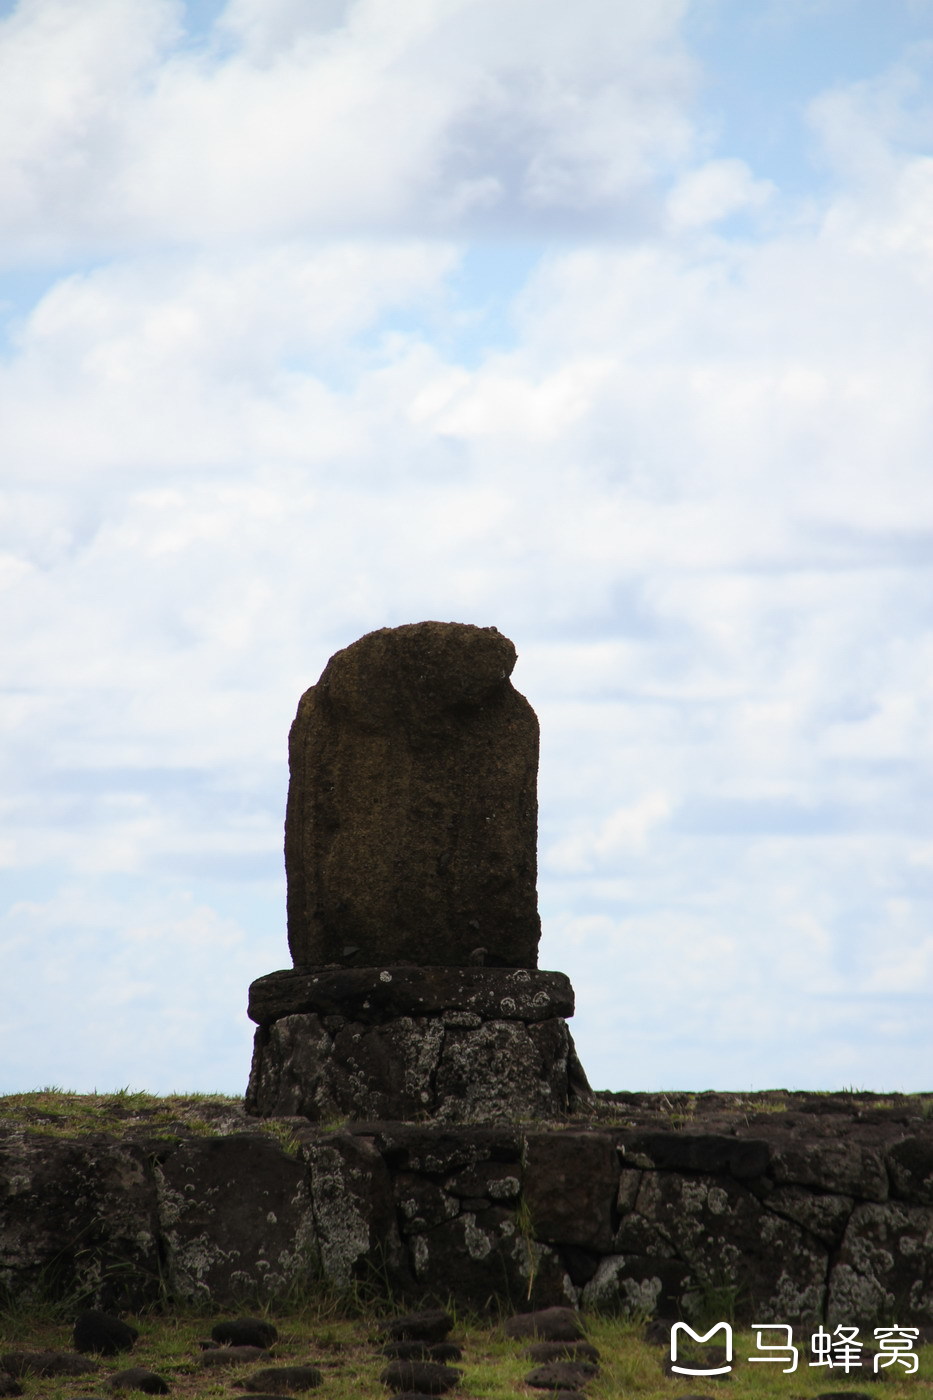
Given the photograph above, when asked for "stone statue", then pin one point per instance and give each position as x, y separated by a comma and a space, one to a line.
410, 856
411, 827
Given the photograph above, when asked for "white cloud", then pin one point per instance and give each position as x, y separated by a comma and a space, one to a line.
399, 115
689, 476
713, 192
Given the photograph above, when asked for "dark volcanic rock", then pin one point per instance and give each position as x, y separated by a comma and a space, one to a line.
411, 826
550, 1324
138, 1378
373, 995
281, 1380
911, 1166
703, 1152
100, 1333
411, 1066
486, 1256
233, 1356
423, 1377
46, 1363
245, 1332
571, 1182
82, 1211
432, 1325
236, 1213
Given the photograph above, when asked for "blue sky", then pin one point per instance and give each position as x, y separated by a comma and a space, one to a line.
608, 326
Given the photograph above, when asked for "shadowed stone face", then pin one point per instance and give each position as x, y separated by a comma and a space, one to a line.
411, 826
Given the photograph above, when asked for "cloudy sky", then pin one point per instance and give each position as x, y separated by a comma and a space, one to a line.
607, 324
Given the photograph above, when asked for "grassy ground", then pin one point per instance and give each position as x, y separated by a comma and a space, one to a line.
345, 1349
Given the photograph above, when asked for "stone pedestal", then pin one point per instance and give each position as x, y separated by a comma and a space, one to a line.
454, 1045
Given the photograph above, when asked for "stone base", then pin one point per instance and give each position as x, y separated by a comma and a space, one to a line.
454, 1045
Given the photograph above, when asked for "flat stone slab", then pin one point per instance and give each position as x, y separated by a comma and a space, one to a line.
373, 995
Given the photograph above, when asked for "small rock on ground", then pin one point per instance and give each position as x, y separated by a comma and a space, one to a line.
657, 1332
46, 1363
430, 1326
423, 1377
99, 1332
550, 1324
232, 1356
245, 1332
137, 1378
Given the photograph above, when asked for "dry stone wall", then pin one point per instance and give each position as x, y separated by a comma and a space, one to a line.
814, 1210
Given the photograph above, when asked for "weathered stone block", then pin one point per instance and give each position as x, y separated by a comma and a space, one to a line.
235, 1218
910, 1163
78, 1218
743, 1158
410, 1068
884, 1269
354, 1212
503, 1070
637, 1286
846, 1168
490, 1259
378, 994
825, 1216
570, 1186
729, 1241
411, 826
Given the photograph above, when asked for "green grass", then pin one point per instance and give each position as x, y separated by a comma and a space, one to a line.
345, 1349
57, 1113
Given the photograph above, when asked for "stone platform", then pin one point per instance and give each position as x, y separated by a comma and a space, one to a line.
457, 1045
787, 1208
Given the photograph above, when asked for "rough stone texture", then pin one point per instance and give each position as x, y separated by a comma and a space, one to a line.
634, 1284
825, 1217
485, 1213
245, 1332
236, 1217
910, 1164
98, 1332
730, 1242
847, 1168
138, 1378
561, 1375
486, 1257
422, 1377
46, 1363
430, 1326
572, 1180
354, 1212
374, 995
411, 825
556, 1324
885, 1266
78, 1218
413, 1067
232, 1356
